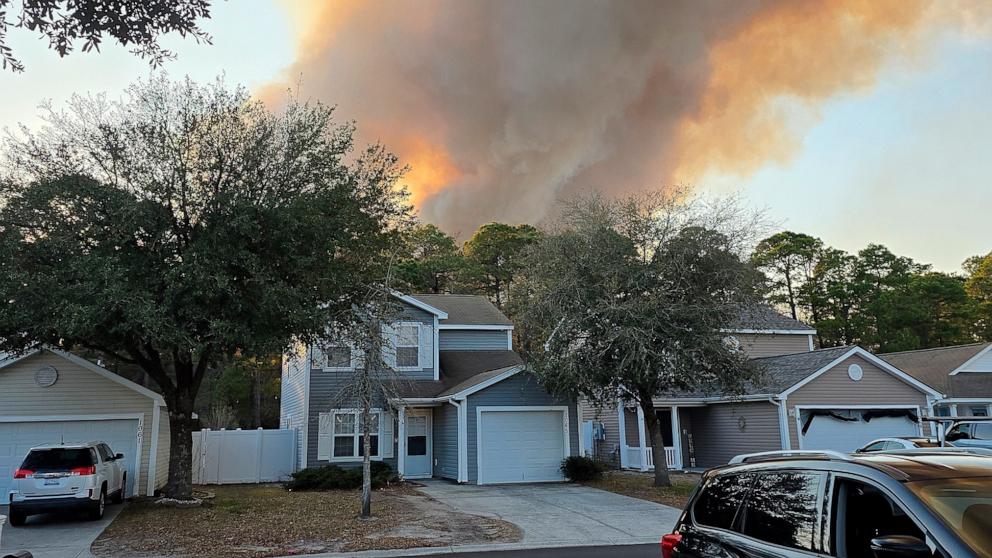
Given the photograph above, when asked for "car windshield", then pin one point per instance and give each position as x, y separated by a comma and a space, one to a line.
57, 459
965, 505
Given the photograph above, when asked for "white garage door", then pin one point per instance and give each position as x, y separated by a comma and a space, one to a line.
521, 446
826, 432
16, 438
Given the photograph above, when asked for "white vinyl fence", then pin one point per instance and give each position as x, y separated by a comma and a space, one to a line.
243, 456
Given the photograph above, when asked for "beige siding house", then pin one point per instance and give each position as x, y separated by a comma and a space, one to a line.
837, 398
51, 396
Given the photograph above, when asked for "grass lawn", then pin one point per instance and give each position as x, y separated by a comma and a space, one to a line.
266, 520
640, 485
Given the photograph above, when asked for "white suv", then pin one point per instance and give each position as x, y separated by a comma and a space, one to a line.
64, 477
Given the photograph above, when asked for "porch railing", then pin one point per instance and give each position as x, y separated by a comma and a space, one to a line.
634, 457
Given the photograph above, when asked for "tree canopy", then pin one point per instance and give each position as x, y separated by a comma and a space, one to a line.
184, 225
629, 298
139, 24
493, 257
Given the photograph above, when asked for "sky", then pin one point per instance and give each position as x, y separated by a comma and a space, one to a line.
503, 108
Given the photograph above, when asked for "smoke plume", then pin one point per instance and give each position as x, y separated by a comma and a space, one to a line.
501, 107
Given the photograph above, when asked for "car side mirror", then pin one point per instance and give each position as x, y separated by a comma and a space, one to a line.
119, 456
900, 546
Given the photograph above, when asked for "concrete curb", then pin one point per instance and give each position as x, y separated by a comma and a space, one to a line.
440, 550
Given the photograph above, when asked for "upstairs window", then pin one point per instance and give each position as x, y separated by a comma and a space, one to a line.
408, 345
333, 357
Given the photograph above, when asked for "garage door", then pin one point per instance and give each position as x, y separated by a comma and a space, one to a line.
16, 438
521, 446
827, 432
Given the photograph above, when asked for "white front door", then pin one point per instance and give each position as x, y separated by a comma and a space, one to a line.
419, 450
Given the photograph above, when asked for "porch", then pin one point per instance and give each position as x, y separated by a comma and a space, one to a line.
636, 452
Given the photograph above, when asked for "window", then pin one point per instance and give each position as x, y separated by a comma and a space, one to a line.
982, 431
863, 512
333, 357
782, 509
718, 503
980, 411
347, 437
877, 446
58, 459
408, 345
105, 453
942, 410
416, 435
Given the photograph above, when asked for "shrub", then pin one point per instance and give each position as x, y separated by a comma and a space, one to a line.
578, 468
333, 477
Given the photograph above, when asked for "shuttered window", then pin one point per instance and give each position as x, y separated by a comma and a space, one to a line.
339, 436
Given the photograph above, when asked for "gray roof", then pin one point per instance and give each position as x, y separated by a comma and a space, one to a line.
763, 316
934, 366
465, 309
460, 370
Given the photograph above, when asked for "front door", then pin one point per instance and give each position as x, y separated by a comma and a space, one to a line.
418, 444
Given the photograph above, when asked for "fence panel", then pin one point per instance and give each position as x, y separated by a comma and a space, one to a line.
243, 456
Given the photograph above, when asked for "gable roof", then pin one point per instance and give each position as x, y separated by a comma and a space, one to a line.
934, 367
7, 359
460, 370
762, 318
465, 309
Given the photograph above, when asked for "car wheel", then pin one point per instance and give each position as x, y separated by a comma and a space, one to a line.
99, 506
119, 497
17, 518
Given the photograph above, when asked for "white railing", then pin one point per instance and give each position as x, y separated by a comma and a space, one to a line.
634, 457
243, 456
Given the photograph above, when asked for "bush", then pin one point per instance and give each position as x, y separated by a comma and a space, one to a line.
581, 469
333, 477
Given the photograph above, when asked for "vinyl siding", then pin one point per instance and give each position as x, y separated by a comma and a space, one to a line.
607, 450
982, 365
78, 391
834, 387
164, 442
469, 340
717, 437
516, 391
446, 442
327, 392
766, 344
293, 397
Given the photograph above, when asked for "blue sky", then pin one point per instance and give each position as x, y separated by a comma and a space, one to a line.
907, 164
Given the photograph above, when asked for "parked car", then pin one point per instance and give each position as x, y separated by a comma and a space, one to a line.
883, 444
920, 503
970, 434
66, 477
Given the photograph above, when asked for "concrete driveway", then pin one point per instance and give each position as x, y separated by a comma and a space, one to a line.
55, 536
561, 514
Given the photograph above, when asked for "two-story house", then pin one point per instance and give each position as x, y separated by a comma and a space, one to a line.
465, 407
834, 398
963, 373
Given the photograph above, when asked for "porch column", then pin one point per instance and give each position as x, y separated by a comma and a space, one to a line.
401, 442
954, 410
623, 434
677, 437
640, 434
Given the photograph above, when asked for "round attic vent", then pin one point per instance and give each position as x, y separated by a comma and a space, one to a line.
46, 376
855, 372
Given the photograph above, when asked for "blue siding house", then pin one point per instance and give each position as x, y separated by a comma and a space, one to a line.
467, 409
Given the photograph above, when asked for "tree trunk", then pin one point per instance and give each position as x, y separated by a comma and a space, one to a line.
181, 424
366, 465
653, 427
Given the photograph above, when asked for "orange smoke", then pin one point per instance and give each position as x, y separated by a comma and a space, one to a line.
502, 107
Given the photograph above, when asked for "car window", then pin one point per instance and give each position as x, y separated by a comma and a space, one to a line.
105, 453
58, 459
982, 431
959, 432
862, 512
719, 500
877, 446
965, 505
782, 508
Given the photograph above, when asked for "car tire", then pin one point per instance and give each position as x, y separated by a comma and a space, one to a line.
96, 512
17, 518
119, 496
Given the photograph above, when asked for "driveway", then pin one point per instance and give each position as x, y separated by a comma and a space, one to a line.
561, 514
55, 536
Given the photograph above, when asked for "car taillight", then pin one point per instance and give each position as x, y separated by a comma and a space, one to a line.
23, 473
668, 543
83, 471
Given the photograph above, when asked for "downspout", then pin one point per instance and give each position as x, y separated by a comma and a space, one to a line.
462, 429
785, 439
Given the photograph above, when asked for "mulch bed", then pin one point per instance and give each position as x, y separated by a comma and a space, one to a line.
641, 485
253, 521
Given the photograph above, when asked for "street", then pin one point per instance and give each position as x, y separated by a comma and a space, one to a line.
622, 551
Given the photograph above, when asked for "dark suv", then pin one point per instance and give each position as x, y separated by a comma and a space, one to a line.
907, 503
